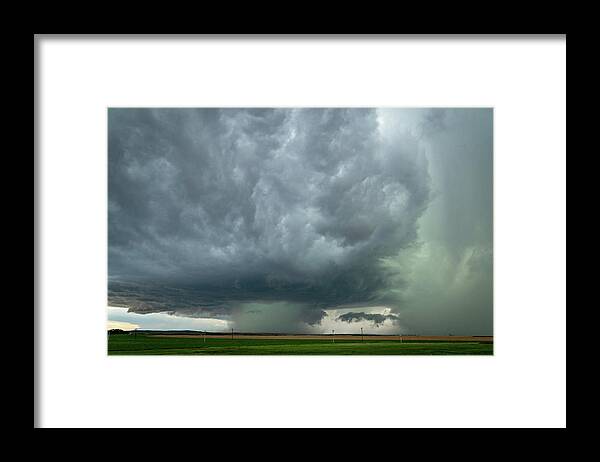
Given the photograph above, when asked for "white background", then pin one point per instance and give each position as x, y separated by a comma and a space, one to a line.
523, 384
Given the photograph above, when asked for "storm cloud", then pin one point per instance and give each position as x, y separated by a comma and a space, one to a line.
230, 213
376, 318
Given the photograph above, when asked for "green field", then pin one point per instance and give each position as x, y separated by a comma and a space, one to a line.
143, 344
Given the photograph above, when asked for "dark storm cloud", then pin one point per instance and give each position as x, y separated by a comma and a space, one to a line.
376, 318
213, 208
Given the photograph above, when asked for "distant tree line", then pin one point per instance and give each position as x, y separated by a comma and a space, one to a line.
117, 331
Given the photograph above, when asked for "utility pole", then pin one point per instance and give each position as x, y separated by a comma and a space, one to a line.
204, 337
333, 336
231, 334
361, 335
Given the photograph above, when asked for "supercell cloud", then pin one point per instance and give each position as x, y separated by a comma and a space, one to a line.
271, 217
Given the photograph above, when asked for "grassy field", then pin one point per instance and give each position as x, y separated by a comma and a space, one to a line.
143, 344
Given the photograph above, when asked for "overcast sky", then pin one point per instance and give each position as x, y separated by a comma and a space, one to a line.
301, 220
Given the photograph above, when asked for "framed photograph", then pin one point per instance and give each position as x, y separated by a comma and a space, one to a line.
272, 224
